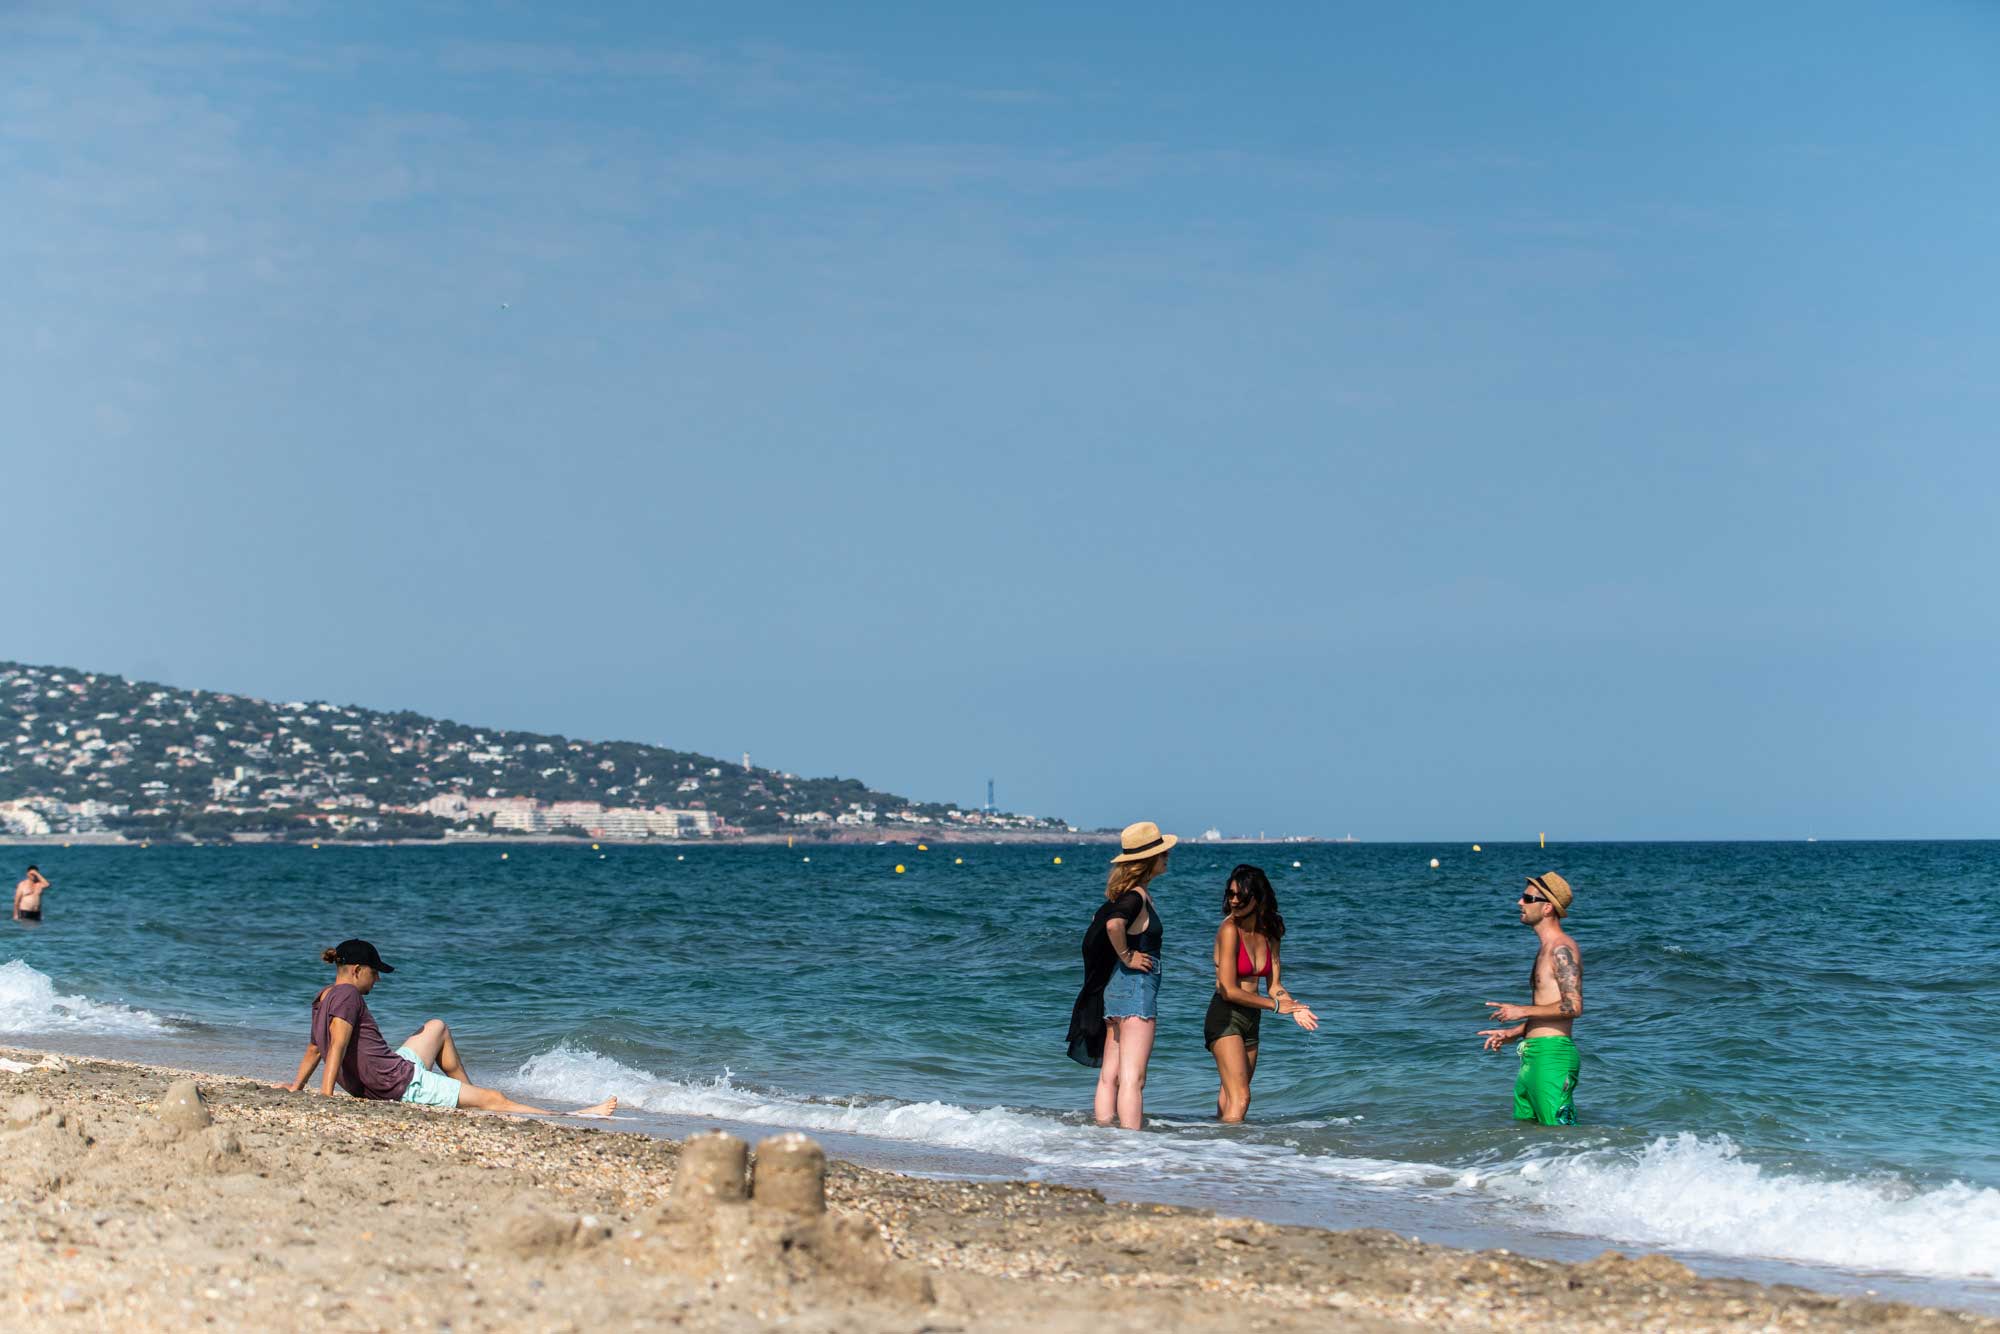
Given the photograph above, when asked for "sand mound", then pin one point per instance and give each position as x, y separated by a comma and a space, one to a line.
533, 1234
42, 1145
182, 1108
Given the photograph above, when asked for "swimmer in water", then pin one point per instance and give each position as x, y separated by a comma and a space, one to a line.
28, 896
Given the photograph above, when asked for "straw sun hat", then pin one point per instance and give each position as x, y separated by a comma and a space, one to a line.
1555, 889
1142, 840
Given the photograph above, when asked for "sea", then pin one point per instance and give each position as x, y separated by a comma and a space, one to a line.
1791, 1050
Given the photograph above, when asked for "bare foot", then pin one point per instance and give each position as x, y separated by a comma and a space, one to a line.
605, 1108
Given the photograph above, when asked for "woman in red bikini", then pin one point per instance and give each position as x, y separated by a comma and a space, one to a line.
1246, 950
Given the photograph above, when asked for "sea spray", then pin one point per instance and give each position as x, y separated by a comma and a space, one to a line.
1036, 1140
1699, 1193
30, 1005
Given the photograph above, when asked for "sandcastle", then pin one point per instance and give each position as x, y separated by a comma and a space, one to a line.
734, 1219
764, 1221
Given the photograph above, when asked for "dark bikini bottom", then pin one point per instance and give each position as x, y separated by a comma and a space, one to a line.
1227, 1019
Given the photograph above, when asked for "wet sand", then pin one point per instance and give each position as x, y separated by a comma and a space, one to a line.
266, 1209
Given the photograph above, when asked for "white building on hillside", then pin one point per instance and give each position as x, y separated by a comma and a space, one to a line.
19, 818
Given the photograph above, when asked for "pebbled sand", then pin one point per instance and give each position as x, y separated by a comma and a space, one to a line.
288, 1211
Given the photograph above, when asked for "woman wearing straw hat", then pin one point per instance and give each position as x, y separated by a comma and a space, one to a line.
1112, 1024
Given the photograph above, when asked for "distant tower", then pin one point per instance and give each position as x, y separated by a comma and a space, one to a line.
990, 808
746, 761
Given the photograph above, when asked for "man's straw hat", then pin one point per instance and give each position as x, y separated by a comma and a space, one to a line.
1555, 889
1142, 840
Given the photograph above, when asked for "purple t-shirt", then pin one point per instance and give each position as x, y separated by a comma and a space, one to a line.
370, 1068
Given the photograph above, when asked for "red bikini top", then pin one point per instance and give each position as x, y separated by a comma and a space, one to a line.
1243, 968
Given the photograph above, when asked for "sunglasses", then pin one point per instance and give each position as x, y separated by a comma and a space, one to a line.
1533, 898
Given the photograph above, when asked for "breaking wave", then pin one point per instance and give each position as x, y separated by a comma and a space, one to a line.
1036, 1140
29, 1003
1698, 1193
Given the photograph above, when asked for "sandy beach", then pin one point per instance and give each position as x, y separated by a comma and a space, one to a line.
258, 1208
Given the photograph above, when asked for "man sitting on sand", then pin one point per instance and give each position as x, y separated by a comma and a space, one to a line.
1549, 1062
425, 1070
28, 896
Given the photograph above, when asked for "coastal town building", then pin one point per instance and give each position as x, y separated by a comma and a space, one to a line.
18, 817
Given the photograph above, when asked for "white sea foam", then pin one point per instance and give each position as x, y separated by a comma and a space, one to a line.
1036, 1140
1698, 1194
29, 1004
1683, 1192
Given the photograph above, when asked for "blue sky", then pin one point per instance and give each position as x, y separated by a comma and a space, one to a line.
1452, 422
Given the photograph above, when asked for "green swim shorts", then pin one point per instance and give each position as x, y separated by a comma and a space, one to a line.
428, 1087
1543, 1089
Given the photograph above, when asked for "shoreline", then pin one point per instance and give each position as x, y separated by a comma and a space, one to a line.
892, 836
868, 839
290, 1210
953, 838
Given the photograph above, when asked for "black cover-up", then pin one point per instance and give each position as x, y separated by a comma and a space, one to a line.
1086, 1017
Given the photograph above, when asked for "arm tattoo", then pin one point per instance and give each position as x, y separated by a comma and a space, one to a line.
1569, 979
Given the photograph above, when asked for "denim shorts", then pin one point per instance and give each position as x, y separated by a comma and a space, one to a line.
428, 1087
1131, 994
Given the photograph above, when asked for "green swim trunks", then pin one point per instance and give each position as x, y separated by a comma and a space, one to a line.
1543, 1089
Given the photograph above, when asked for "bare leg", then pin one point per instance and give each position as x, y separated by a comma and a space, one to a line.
1105, 1105
1230, 1063
488, 1100
428, 1041
448, 1061
1135, 1048
433, 1045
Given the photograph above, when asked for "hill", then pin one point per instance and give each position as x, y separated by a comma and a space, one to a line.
82, 752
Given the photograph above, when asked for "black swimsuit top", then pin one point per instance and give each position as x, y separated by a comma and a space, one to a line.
1147, 941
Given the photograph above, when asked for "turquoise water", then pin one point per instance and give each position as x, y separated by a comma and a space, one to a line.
1789, 1062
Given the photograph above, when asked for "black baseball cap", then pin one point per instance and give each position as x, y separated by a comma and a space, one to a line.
359, 952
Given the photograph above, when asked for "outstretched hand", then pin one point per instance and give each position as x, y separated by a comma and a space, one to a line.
1303, 1016
1506, 1014
1496, 1038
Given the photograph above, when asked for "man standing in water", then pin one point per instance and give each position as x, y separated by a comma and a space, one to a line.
28, 896
1549, 1062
